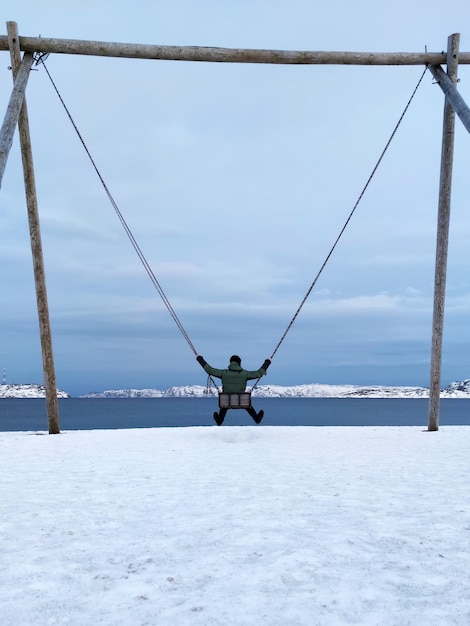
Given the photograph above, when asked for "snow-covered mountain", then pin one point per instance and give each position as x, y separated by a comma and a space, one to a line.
461, 387
454, 390
27, 391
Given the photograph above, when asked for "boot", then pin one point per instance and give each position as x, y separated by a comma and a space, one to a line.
218, 420
259, 417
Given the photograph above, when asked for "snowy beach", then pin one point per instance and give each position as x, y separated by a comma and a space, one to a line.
236, 526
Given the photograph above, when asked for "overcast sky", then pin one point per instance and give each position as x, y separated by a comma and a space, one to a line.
235, 181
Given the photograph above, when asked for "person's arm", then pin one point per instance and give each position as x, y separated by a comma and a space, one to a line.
259, 373
200, 359
266, 364
213, 371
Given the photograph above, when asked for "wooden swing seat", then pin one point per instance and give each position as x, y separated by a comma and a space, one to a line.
235, 400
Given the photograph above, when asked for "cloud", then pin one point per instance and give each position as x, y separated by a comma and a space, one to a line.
235, 181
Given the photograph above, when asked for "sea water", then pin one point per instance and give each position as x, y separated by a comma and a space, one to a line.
105, 413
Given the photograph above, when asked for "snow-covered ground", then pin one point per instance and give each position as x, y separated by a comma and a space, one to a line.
273, 526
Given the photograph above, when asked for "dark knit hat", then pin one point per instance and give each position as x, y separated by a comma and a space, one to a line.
236, 358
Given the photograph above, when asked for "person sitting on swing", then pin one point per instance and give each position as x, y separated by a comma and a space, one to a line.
234, 381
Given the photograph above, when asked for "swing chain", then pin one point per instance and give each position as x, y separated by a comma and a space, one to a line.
210, 382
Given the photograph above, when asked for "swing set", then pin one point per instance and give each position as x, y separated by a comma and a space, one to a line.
36, 50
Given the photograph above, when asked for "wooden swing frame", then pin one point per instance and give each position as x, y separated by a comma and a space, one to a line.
16, 115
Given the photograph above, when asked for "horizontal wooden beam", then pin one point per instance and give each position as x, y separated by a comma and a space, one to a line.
227, 55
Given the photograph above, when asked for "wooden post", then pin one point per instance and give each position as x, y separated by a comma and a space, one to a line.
445, 184
36, 245
13, 111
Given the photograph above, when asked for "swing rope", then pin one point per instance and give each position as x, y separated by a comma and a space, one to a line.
147, 267
131, 237
349, 218
309, 291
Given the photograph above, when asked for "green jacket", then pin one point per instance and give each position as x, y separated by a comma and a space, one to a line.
234, 378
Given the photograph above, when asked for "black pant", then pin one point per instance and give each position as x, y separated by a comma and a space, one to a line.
250, 410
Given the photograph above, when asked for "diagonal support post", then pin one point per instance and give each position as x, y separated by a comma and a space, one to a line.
36, 244
13, 111
452, 94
